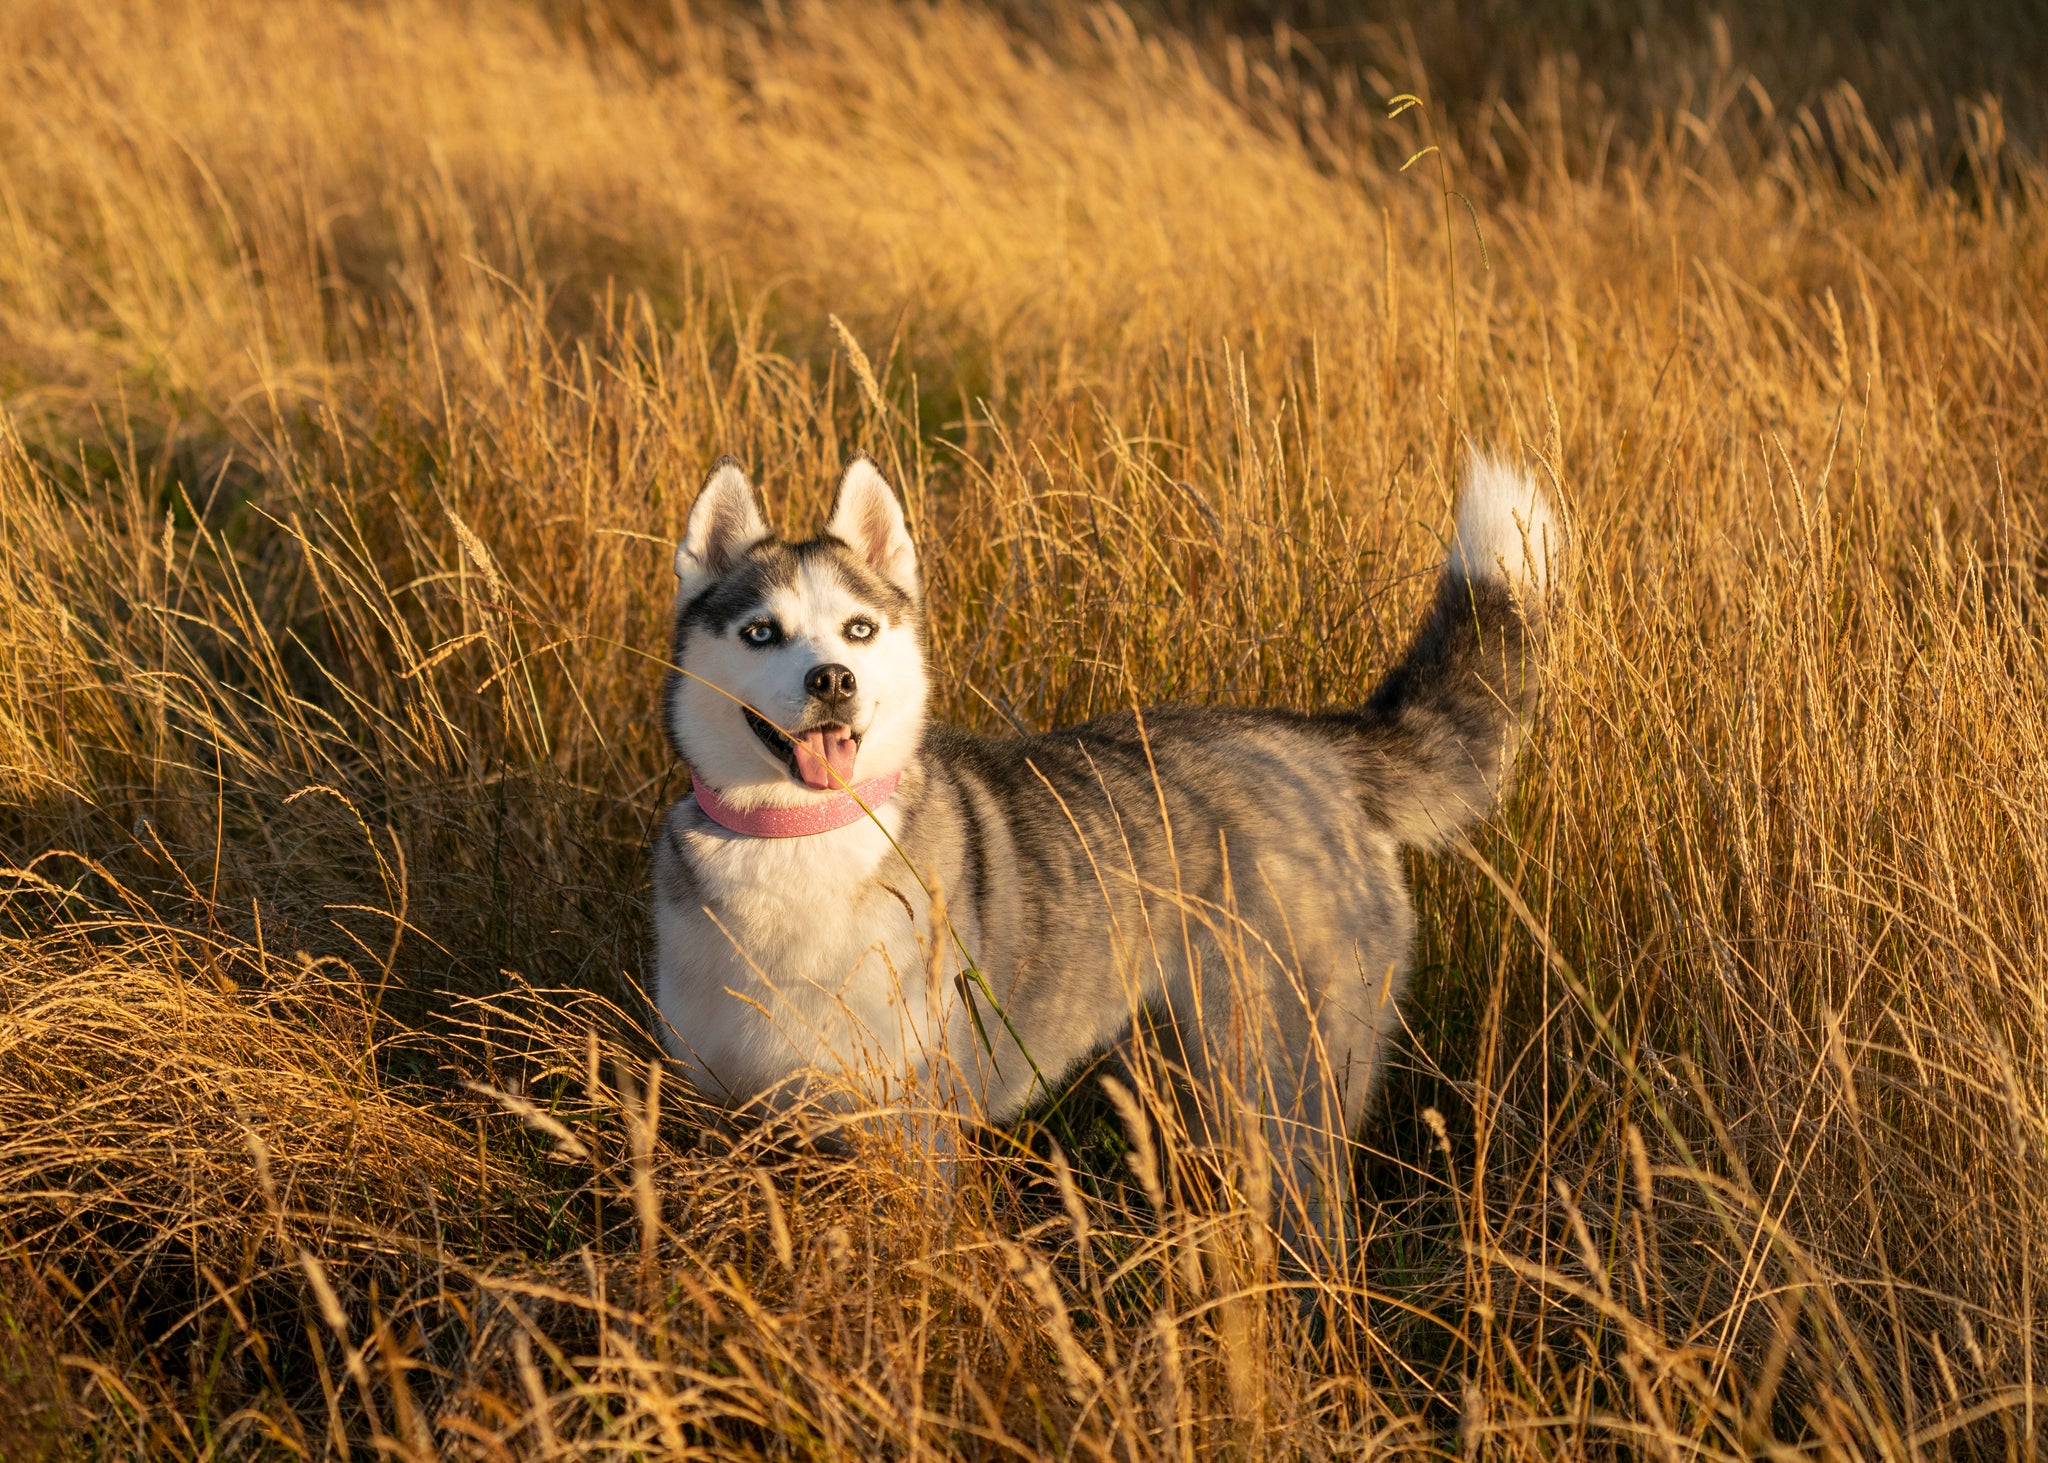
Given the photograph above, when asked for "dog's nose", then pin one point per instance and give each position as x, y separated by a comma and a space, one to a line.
830, 683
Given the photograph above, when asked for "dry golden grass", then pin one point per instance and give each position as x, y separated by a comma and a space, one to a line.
356, 367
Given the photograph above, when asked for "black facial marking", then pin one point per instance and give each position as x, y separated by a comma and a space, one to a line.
860, 581
773, 564
766, 567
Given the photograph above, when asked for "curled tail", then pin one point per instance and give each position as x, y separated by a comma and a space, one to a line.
1440, 733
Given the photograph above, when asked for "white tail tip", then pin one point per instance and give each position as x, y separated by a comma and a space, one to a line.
1506, 527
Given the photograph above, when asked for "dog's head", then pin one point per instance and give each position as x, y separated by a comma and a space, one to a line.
802, 664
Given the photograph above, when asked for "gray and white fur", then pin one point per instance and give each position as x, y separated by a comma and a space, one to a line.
1231, 878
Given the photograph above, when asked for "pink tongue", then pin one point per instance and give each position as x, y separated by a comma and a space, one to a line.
826, 747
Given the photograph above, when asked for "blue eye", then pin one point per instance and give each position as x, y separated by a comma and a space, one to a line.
761, 632
858, 629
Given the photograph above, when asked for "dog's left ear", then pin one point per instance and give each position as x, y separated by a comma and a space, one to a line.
867, 518
725, 522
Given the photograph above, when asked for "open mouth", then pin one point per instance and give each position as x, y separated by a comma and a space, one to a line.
820, 757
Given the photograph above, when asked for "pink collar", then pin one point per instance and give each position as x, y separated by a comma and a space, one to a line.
836, 811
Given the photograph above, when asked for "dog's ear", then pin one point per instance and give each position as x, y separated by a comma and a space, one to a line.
867, 518
724, 523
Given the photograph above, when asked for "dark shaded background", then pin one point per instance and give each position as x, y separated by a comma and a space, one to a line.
1935, 82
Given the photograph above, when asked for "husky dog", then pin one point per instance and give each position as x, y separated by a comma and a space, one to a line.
1232, 877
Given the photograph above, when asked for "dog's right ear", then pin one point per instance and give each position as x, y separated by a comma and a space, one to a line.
724, 523
867, 518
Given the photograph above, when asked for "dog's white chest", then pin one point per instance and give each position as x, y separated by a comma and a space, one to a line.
782, 956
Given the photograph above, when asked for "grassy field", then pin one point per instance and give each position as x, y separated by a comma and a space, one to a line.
357, 365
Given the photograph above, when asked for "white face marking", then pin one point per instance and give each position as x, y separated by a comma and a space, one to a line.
810, 619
